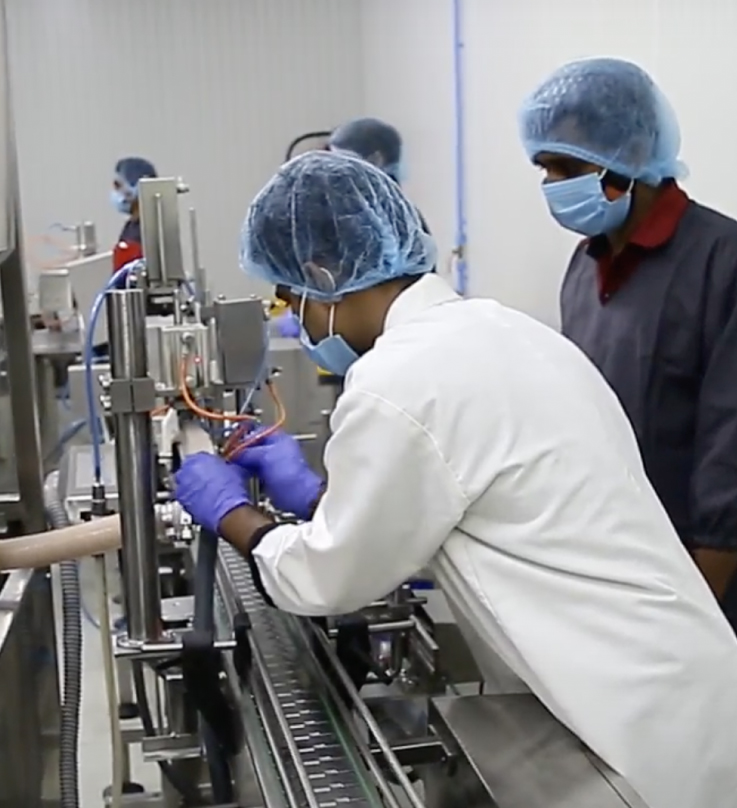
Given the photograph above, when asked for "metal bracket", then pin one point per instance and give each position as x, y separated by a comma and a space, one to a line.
242, 654
132, 395
171, 747
160, 650
11, 594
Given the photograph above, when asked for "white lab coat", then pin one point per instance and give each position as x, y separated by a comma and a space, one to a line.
479, 443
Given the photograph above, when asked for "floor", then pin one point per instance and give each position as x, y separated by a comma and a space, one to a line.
95, 753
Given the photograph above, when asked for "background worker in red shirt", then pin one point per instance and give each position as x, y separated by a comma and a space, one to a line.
651, 294
124, 197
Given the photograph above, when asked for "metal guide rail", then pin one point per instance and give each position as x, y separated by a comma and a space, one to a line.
334, 779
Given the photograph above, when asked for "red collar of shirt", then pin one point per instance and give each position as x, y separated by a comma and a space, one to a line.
655, 230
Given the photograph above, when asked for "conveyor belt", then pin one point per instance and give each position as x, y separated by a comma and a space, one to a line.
333, 777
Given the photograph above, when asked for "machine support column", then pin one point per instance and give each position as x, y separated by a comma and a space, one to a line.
132, 397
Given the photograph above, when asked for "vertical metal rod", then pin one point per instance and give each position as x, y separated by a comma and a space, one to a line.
160, 238
200, 280
87, 238
178, 313
194, 240
134, 458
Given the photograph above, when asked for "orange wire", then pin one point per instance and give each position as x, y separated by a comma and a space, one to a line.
232, 439
210, 415
281, 416
233, 445
164, 408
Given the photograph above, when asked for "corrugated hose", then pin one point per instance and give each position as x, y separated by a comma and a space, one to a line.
71, 600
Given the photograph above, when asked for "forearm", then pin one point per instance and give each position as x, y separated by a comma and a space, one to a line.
718, 567
241, 526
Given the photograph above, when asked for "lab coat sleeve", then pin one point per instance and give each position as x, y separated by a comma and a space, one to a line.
714, 482
391, 501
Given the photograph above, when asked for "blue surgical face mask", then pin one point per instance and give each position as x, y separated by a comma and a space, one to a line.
581, 205
122, 203
397, 171
333, 353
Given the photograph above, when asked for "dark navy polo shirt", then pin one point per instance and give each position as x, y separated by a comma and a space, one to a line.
660, 322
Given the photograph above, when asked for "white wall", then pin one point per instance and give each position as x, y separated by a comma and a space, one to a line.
516, 253
212, 90
407, 50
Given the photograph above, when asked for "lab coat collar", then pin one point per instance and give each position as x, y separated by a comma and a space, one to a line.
431, 290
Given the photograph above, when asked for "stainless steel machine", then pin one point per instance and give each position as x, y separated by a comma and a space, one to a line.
236, 703
29, 694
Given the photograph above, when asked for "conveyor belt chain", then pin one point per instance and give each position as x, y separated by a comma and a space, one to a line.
333, 778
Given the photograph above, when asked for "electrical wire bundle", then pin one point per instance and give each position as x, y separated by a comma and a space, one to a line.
239, 439
243, 435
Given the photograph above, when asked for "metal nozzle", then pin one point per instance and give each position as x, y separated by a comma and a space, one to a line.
99, 500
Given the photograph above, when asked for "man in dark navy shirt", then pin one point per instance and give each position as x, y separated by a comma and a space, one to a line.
124, 195
651, 294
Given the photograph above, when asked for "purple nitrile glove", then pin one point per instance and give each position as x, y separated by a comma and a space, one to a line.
278, 463
209, 488
288, 324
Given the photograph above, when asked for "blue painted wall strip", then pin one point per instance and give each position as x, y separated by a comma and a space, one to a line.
460, 150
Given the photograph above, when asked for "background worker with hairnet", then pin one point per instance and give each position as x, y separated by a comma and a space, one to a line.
378, 143
124, 197
373, 140
651, 294
519, 486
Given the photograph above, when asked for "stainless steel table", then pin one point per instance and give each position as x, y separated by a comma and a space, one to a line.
518, 756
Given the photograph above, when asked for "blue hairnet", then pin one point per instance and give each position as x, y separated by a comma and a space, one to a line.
328, 224
608, 112
366, 137
132, 169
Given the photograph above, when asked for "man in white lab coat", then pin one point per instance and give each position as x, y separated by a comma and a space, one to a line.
474, 441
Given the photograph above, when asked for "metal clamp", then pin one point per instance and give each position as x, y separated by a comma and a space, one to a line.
159, 650
242, 654
11, 594
132, 395
170, 747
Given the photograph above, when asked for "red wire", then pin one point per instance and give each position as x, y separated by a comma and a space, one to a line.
230, 451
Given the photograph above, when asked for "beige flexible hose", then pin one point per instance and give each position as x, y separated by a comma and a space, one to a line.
43, 549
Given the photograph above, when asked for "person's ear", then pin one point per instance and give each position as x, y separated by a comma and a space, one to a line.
291, 300
318, 309
616, 186
612, 194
